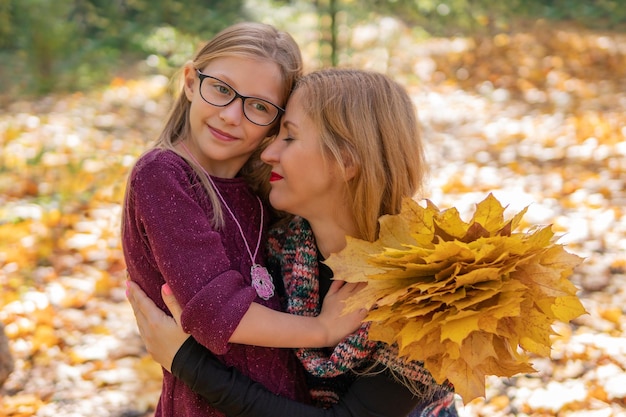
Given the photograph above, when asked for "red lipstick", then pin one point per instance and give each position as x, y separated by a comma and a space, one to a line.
275, 177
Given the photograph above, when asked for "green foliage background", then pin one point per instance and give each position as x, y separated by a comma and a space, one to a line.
71, 45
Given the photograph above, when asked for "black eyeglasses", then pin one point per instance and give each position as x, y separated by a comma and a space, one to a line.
218, 93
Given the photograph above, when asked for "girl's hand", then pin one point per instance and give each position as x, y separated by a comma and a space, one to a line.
161, 334
337, 324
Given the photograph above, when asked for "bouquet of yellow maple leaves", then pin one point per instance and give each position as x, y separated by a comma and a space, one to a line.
467, 299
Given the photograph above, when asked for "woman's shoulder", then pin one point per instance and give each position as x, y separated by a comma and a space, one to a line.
290, 227
292, 234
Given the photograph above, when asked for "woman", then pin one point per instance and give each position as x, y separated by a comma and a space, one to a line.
348, 151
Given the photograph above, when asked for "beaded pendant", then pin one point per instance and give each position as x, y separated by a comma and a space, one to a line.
262, 281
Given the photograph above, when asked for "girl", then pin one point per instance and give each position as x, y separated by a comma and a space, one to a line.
348, 151
192, 217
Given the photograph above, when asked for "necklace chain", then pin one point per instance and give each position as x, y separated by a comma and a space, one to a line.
243, 236
261, 280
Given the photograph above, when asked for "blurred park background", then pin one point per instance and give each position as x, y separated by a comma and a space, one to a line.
523, 98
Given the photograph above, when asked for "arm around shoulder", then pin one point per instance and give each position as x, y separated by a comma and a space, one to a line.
236, 395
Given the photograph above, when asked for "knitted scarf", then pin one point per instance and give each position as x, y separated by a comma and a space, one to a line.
294, 251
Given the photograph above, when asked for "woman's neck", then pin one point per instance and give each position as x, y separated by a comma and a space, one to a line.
330, 236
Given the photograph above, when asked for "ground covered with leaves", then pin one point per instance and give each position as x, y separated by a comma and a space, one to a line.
536, 117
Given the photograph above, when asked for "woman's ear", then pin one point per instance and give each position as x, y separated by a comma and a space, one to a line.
351, 167
190, 76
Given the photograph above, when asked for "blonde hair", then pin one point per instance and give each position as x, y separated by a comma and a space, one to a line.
368, 121
251, 40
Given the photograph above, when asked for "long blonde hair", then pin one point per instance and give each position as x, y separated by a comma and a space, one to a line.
247, 39
367, 120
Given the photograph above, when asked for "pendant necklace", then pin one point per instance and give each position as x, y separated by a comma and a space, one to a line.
261, 278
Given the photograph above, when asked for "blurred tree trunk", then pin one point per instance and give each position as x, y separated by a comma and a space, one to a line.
333, 32
327, 12
6, 359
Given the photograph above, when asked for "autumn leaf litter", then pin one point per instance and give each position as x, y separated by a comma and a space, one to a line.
72, 332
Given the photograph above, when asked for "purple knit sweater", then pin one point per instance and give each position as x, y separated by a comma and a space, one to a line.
167, 237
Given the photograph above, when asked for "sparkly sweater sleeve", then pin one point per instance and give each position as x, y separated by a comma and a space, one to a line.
174, 236
238, 396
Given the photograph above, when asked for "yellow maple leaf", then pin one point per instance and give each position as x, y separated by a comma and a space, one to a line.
468, 299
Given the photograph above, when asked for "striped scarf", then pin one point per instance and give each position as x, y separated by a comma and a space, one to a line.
293, 251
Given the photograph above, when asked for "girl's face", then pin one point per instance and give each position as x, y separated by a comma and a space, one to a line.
303, 182
222, 138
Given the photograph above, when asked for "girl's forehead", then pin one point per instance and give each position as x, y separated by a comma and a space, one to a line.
243, 63
248, 75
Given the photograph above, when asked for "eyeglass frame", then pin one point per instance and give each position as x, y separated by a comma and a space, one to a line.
202, 76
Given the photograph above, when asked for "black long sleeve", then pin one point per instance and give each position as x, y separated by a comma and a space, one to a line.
238, 396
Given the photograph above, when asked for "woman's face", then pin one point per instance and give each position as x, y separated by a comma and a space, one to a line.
222, 138
303, 182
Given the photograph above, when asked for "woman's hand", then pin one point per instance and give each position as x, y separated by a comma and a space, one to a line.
161, 334
338, 324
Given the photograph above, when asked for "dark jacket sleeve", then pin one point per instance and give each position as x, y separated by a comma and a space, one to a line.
238, 396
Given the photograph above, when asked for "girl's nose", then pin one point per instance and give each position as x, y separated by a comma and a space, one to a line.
232, 113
